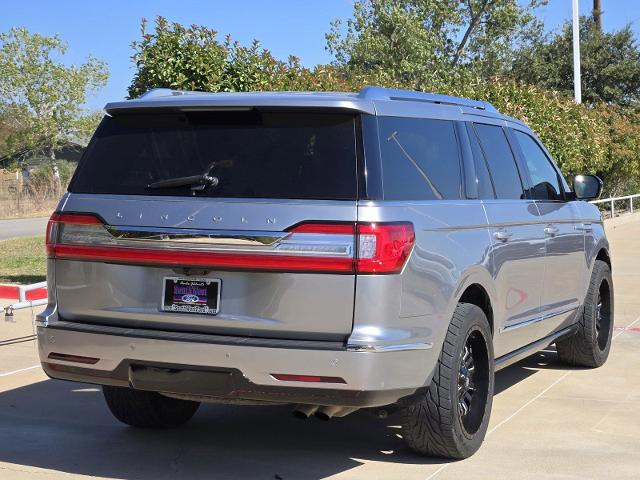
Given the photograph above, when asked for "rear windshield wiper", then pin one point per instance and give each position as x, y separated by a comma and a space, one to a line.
196, 182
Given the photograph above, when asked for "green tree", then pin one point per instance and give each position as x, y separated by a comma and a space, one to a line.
610, 64
424, 40
41, 97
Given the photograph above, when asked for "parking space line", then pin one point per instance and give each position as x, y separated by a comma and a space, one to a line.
19, 371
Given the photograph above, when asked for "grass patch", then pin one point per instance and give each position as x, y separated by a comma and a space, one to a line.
23, 260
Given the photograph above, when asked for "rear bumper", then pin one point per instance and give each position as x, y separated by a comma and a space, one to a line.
190, 364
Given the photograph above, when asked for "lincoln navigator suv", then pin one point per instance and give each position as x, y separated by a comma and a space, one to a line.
385, 250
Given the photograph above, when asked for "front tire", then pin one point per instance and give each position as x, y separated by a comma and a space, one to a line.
591, 344
143, 409
451, 420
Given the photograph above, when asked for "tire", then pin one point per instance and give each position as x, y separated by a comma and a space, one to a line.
436, 424
147, 409
591, 344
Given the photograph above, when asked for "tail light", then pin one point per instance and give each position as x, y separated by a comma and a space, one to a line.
368, 248
384, 247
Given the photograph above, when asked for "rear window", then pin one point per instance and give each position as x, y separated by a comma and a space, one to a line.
420, 159
297, 155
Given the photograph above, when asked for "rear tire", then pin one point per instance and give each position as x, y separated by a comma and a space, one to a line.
147, 409
451, 419
591, 344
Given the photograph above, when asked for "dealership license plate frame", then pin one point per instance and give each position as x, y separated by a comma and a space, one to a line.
213, 286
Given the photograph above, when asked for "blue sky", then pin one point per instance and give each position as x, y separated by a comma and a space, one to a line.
107, 28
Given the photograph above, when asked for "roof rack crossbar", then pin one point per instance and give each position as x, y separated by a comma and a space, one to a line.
381, 93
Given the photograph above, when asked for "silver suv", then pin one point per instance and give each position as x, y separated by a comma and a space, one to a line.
385, 249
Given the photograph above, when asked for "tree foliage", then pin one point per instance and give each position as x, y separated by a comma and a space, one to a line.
610, 64
193, 58
418, 40
41, 97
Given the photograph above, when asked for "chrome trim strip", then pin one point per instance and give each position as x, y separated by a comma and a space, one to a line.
527, 350
390, 348
213, 241
220, 237
536, 319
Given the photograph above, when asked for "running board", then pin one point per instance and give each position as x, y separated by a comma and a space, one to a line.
527, 350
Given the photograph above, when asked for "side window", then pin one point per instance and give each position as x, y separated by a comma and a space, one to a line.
483, 179
502, 164
544, 178
420, 159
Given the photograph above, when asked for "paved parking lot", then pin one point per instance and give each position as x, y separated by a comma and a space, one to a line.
548, 421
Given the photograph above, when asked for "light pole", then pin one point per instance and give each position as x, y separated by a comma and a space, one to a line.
577, 87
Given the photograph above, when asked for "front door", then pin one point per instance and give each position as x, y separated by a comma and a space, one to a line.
564, 243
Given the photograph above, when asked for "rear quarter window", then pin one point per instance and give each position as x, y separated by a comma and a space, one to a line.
420, 159
288, 155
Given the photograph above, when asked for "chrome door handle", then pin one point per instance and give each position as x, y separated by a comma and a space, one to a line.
585, 227
502, 235
551, 231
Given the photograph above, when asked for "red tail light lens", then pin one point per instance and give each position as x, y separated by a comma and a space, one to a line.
307, 247
384, 247
54, 230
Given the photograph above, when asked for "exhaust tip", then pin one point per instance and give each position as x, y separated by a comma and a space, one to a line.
323, 416
304, 411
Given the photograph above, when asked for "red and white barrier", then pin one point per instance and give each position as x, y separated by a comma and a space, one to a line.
35, 291
27, 296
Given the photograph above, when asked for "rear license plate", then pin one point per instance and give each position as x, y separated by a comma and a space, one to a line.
191, 295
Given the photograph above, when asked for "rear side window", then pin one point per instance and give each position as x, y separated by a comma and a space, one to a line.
420, 159
502, 164
483, 179
544, 178
298, 155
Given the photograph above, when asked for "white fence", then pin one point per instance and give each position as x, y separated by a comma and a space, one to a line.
612, 202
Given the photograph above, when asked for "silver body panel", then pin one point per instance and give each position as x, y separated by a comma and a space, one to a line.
387, 330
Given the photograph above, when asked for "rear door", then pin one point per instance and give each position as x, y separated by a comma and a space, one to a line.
518, 244
265, 224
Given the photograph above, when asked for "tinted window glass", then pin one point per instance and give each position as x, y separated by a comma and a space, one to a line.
483, 179
544, 178
420, 159
502, 165
253, 154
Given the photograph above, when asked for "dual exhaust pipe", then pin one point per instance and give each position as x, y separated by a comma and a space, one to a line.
322, 413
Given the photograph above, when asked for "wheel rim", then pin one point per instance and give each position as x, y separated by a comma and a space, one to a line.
473, 382
603, 315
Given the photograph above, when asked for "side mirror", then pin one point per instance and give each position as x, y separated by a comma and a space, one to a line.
587, 187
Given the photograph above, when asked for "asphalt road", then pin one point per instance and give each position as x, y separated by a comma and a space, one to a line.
548, 421
22, 227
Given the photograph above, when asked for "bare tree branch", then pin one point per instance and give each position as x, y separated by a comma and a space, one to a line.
473, 23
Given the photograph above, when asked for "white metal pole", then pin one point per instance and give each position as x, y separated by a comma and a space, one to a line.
577, 87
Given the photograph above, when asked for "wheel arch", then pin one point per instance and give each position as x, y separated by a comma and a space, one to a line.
477, 295
603, 254
477, 288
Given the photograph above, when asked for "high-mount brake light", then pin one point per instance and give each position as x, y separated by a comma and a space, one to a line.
313, 247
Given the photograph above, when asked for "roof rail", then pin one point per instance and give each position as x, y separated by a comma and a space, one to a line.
166, 92
381, 93
157, 92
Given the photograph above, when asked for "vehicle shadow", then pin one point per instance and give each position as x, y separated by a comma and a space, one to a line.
66, 427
